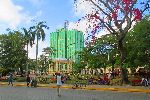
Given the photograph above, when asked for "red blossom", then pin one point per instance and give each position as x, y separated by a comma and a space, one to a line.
93, 16
138, 15
114, 15
127, 3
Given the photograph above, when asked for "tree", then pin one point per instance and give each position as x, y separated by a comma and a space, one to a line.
138, 44
38, 32
44, 60
12, 53
31, 64
29, 41
48, 50
96, 56
106, 47
117, 16
78, 66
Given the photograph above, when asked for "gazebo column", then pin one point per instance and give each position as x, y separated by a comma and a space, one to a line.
56, 66
68, 67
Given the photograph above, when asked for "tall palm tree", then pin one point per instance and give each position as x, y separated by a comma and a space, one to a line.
38, 33
29, 41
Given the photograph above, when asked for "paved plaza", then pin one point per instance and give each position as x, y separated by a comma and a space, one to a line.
27, 93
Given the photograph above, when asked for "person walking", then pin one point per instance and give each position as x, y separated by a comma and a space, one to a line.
28, 80
10, 79
59, 83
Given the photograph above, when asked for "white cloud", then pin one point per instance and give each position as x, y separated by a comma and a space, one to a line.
28, 19
39, 13
10, 13
36, 2
81, 26
32, 51
82, 8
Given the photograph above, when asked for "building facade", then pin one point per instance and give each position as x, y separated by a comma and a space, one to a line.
65, 44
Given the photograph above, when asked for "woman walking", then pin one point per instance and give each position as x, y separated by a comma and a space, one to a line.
59, 83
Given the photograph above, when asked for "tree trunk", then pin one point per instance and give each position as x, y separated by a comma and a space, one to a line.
122, 52
21, 71
112, 70
36, 53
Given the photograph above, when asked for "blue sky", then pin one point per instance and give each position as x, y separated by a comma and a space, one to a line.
16, 14
54, 12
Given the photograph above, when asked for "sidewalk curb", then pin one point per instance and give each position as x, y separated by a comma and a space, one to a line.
88, 88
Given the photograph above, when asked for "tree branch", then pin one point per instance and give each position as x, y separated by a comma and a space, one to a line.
111, 10
109, 27
129, 18
99, 8
106, 5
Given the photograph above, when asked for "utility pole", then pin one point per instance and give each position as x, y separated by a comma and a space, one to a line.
27, 71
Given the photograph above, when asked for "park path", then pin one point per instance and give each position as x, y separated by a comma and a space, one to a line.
40, 93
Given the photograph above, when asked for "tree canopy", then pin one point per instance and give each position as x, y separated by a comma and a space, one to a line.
12, 51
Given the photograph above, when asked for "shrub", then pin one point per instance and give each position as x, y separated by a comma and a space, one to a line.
20, 79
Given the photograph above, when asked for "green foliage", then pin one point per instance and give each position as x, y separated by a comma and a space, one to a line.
20, 79
78, 66
29, 39
38, 30
138, 44
31, 64
12, 52
101, 54
2, 69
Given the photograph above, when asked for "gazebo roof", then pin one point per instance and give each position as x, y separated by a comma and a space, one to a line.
61, 60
